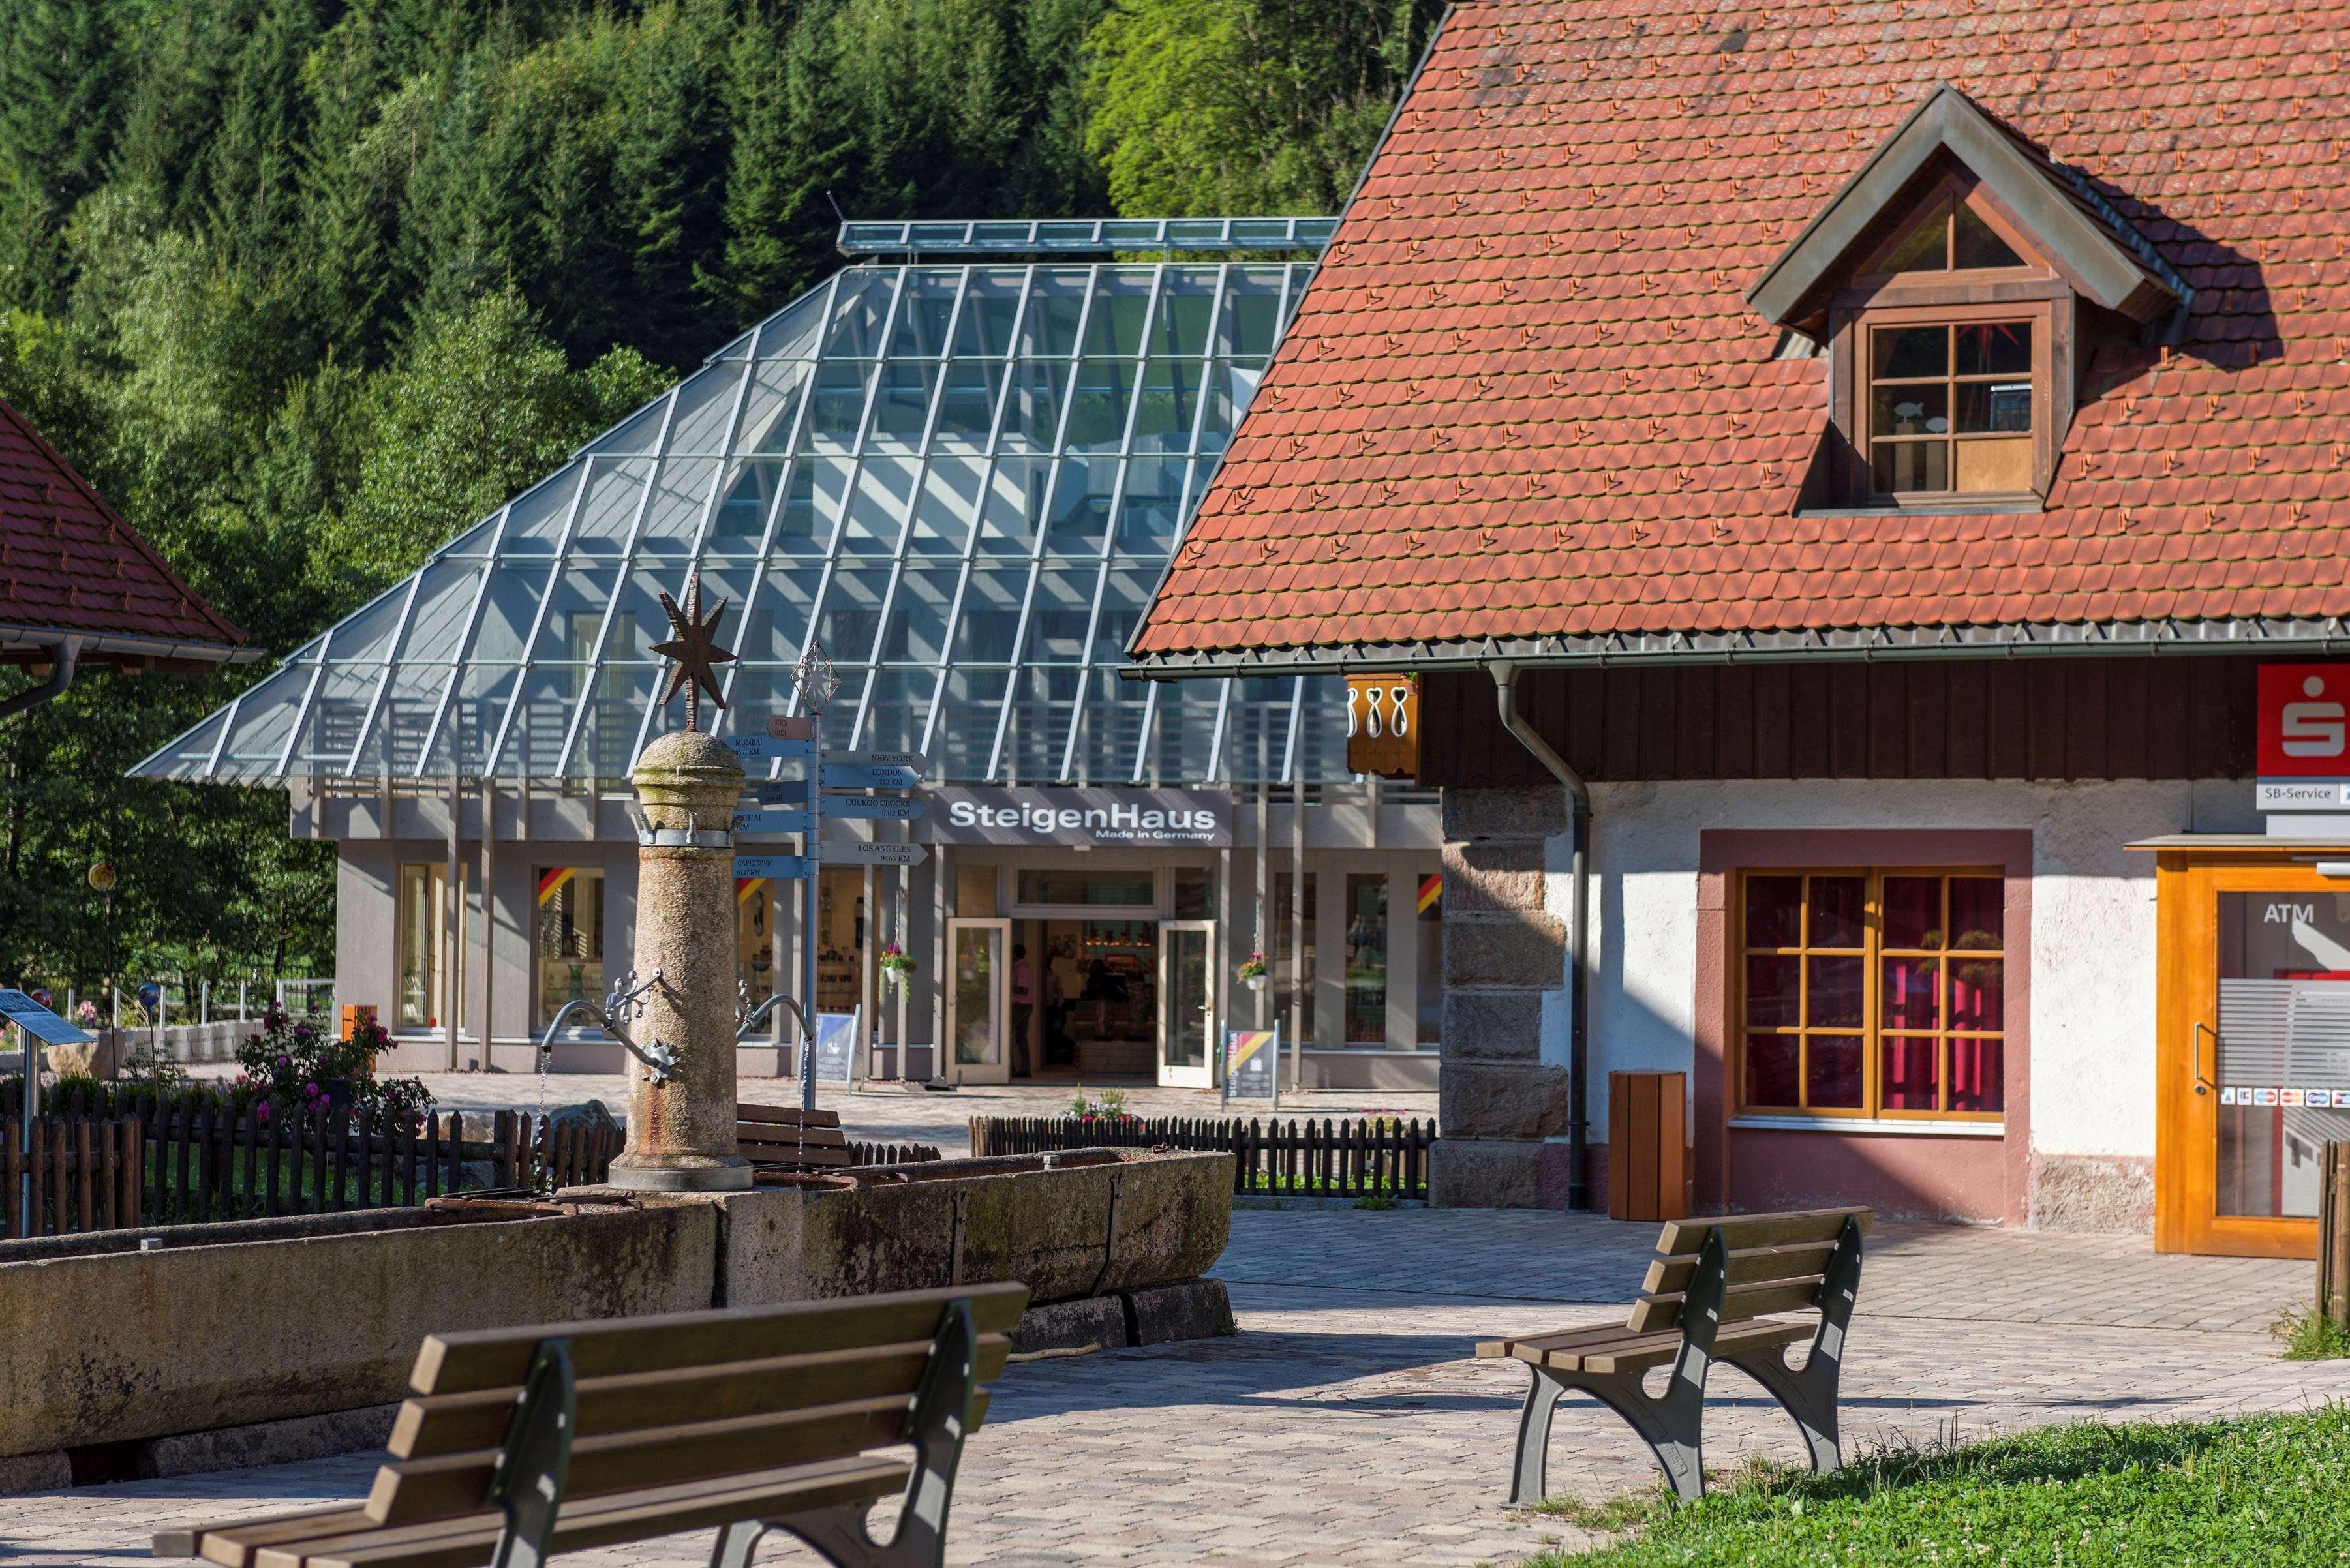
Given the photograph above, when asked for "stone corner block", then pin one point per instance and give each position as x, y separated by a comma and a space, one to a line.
1088, 1323
1493, 1025
1195, 1309
1515, 1100
1488, 876
1484, 1173
1531, 810
47, 1470
1524, 950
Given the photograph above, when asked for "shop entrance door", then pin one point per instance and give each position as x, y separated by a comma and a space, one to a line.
979, 1001
1187, 1004
2255, 1054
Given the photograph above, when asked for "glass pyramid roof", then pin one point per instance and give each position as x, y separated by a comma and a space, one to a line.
963, 480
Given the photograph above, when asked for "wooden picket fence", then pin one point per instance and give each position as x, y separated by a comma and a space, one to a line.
189, 1162
1354, 1158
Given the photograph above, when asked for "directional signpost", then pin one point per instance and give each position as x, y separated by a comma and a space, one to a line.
798, 807
36, 1026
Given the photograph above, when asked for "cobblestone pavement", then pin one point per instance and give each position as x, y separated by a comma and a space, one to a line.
889, 1114
1349, 1426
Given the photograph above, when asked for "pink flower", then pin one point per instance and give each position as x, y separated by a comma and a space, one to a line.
260, 1112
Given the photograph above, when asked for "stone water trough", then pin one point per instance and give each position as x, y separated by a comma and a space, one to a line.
260, 1340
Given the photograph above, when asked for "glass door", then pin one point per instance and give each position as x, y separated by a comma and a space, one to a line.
2257, 1061
979, 1001
1187, 1004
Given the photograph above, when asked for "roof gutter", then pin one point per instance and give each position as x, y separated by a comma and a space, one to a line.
1578, 947
108, 643
61, 675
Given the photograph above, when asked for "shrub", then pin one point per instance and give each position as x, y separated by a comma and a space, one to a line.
293, 1067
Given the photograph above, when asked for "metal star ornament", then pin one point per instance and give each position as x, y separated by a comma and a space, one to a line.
693, 651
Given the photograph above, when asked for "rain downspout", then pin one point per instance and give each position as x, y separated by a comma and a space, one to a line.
1505, 704
61, 675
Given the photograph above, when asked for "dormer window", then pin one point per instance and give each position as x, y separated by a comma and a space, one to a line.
1951, 406
1955, 282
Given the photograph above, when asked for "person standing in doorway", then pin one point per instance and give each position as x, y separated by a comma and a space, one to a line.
1024, 1007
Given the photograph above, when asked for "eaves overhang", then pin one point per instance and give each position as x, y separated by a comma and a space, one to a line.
21, 643
2111, 262
2020, 639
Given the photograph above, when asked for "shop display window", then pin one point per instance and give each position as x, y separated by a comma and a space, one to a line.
1872, 993
569, 960
1428, 898
1367, 959
424, 918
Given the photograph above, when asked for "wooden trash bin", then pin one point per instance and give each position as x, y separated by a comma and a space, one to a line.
1647, 1163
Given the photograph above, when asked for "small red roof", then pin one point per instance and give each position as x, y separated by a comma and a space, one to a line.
68, 563
1524, 397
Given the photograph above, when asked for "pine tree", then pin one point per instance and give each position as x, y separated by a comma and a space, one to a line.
61, 83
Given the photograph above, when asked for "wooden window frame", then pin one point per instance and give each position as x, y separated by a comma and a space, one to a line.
1872, 1032
2038, 293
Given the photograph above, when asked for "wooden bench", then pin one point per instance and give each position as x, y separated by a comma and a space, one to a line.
786, 1137
1706, 1300
522, 1443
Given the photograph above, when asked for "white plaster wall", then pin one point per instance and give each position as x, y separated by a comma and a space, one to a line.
2093, 922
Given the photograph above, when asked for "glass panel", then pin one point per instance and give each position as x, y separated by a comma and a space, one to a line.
979, 995
422, 934
839, 404
742, 510
1977, 912
902, 405
989, 310
923, 314
1912, 467
2283, 1042
949, 506
1032, 408
1013, 504
1098, 406
990, 623
1833, 1072
1907, 1064
1974, 242
1367, 959
1115, 324
1773, 994
571, 956
1150, 514
1251, 321
1911, 351
1995, 348
1432, 957
1905, 998
1913, 912
1189, 997
1976, 994
754, 954
1195, 893
813, 504
917, 633
1129, 889
1773, 1070
1054, 308
1059, 616
1994, 407
1187, 309
1282, 952
1927, 249
859, 311
1774, 911
1898, 409
967, 407
1839, 912
1832, 999
1976, 1086
876, 516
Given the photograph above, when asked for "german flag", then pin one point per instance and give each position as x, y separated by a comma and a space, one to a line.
550, 882
1431, 889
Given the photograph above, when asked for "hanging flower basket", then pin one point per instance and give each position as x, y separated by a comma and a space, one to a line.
897, 965
1252, 973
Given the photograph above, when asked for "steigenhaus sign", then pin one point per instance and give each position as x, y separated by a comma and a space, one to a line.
1148, 818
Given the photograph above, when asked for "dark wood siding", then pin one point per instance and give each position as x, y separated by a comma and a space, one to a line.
2161, 717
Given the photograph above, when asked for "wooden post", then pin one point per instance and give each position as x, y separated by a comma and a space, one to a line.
2333, 1235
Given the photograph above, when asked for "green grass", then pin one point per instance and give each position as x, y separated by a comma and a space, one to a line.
2263, 1491
2310, 1337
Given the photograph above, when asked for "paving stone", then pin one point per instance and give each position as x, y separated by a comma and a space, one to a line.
1349, 1424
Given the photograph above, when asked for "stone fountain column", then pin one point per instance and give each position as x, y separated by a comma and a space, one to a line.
681, 1130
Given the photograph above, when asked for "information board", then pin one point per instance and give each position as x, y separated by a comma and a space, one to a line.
1251, 1059
836, 1047
36, 1021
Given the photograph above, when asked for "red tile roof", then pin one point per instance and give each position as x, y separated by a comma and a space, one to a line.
68, 563
1523, 396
